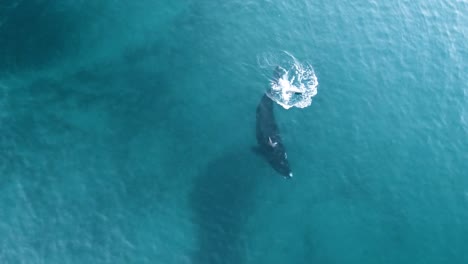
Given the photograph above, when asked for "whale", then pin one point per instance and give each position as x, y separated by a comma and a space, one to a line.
270, 145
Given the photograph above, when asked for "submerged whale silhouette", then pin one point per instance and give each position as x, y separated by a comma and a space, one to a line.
269, 141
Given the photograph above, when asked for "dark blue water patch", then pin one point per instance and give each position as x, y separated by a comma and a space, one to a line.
34, 34
222, 198
70, 166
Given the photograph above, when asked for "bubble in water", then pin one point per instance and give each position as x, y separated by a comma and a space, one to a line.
293, 83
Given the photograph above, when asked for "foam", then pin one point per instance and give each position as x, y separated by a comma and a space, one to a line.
297, 83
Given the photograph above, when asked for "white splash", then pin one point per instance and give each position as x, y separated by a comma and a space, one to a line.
294, 83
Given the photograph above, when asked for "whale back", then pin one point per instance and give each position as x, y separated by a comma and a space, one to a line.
269, 139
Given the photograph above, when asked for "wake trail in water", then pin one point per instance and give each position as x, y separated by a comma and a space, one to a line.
293, 83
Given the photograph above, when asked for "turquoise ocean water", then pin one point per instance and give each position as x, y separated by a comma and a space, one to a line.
126, 130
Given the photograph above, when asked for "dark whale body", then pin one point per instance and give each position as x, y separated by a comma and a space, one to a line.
270, 144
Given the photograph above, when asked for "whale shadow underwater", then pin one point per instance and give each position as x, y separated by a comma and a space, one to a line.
270, 144
222, 200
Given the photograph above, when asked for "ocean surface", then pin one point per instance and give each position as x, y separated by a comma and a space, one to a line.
127, 127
